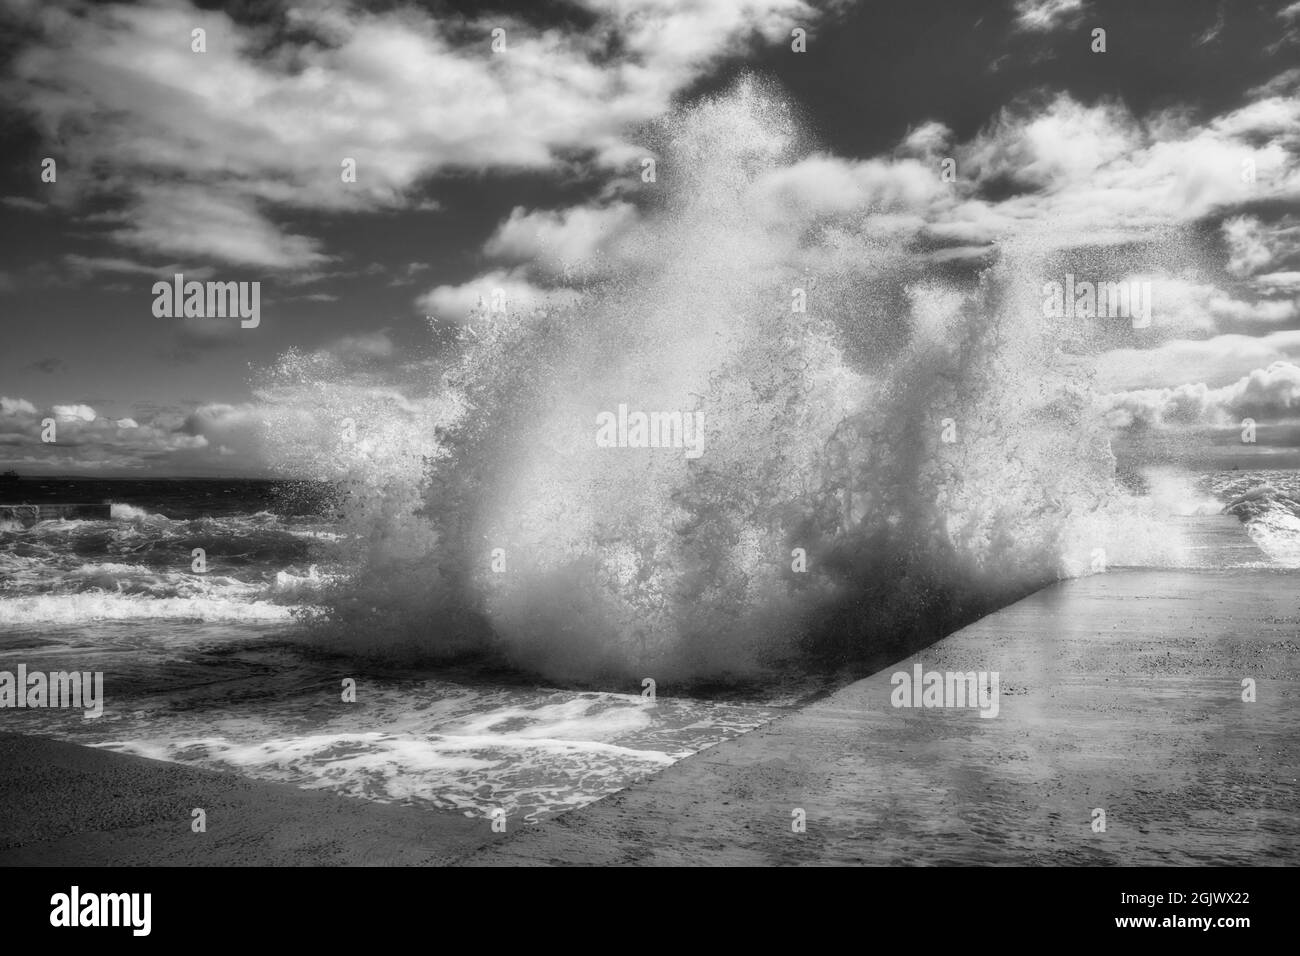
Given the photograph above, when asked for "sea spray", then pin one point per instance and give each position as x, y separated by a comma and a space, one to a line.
920, 443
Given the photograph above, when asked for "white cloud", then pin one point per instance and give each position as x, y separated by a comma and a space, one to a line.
1090, 171
231, 229
928, 140
65, 413
824, 185
205, 151
1266, 394
553, 239
1249, 249
510, 288
1283, 282
1041, 16
89, 442
1085, 176
1220, 359
1201, 306
16, 406
1053, 147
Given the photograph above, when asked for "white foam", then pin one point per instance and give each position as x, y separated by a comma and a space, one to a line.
452, 746
124, 512
101, 606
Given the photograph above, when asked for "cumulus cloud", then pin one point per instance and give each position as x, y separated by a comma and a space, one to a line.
239, 427
1042, 16
68, 413
235, 229
554, 240
1048, 172
1222, 358
535, 253
1052, 146
1192, 306
260, 124
926, 141
1249, 244
15, 407
156, 440
1282, 282
825, 185
508, 289
1266, 394
245, 137
1096, 173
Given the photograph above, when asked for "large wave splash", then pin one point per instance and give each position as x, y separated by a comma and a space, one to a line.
922, 441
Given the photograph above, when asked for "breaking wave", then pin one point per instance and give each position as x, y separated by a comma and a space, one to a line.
1268, 503
139, 566
913, 449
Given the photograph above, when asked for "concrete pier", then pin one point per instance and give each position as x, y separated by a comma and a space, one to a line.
1146, 717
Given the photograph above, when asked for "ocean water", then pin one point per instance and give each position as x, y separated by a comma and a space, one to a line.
215, 669
1265, 501
220, 669
1268, 503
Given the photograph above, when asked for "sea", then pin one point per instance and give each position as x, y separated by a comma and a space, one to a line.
216, 668
212, 668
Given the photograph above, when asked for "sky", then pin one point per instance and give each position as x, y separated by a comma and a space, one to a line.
1171, 157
